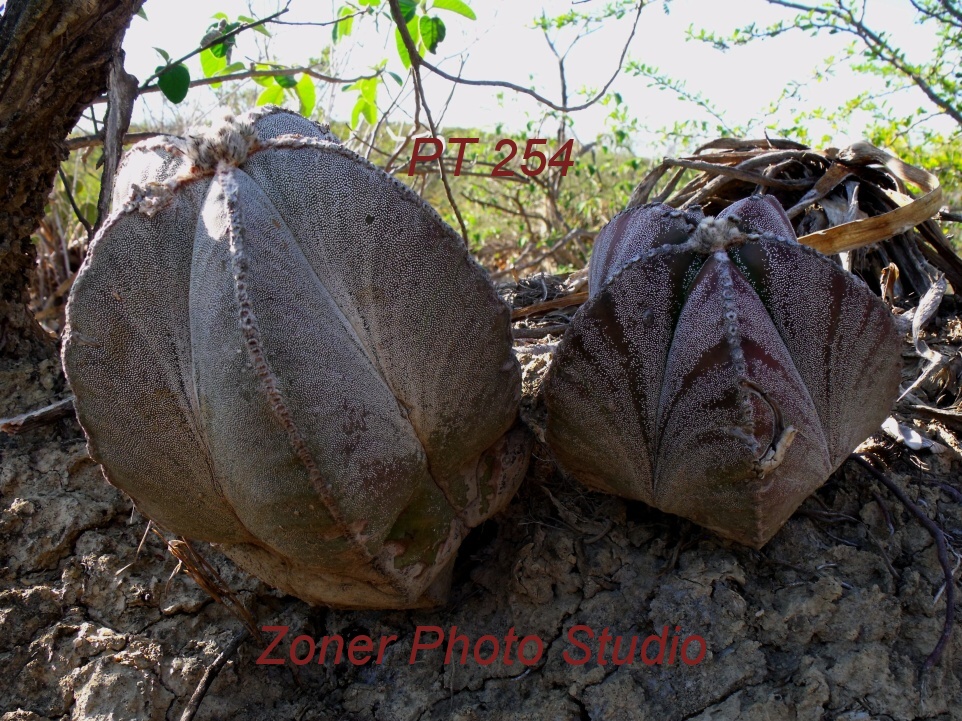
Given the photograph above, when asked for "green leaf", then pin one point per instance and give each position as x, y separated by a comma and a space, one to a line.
402, 51
368, 88
397, 78
366, 104
356, 112
220, 16
285, 81
306, 94
174, 82
211, 64
363, 107
413, 29
257, 28
89, 210
429, 33
142, 14
408, 9
456, 6
265, 81
342, 28
164, 54
432, 32
232, 68
221, 49
370, 113
369, 3
274, 95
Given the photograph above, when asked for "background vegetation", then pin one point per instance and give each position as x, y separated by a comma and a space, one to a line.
519, 223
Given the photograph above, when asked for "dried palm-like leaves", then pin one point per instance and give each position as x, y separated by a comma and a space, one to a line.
854, 200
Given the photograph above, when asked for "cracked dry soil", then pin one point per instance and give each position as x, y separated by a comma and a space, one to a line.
831, 620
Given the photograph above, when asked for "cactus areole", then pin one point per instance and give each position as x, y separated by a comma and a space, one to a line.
720, 370
278, 348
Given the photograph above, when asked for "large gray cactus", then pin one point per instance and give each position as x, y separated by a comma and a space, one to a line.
279, 348
720, 370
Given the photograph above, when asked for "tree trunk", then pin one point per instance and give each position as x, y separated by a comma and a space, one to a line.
54, 60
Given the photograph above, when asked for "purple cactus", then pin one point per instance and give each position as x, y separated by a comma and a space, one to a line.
720, 371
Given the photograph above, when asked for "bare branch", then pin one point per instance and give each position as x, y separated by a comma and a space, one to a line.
92, 141
550, 251
326, 23
416, 61
211, 673
950, 15
562, 107
73, 204
503, 209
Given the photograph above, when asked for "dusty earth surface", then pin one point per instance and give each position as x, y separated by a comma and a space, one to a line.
831, 620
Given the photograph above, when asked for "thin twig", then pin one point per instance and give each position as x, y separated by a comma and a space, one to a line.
73, 204
938, 535
416, 61
562, 302
504, 209
216, 41
211, 673
247, 74
885, 513
381, 121
207, 577
533, 333
550, 251
563, 107
92, 141
40, 417
326, 23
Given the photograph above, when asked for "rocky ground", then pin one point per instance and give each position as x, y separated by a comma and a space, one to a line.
831, 620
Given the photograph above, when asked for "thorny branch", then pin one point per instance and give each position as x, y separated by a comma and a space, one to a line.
842, 19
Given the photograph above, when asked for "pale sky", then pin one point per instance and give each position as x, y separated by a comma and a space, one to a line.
501, 44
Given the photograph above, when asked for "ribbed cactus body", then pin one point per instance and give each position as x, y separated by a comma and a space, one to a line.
720, 370
279, 348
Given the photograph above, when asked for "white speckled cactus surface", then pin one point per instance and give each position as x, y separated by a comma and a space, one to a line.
720, 370
278, 348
